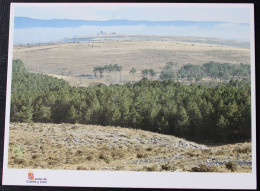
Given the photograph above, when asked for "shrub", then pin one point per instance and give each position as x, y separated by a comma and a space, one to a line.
104, 157
140, 155
168, 167
89, 157
81, 168
231, 166
117, 154
245, 150
206, 151
19, 161
79, 152
150, 168
34, 156
191, 154
204, 168
220, 152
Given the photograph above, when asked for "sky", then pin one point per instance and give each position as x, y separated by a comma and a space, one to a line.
233, 14
152, 12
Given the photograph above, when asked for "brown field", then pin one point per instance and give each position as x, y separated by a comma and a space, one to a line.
80, 82
79, 58
90, 147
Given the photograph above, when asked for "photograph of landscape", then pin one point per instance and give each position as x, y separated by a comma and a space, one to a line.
131, 87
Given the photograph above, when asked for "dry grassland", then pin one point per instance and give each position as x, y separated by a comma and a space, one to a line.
90, 147
80, 58
80, 82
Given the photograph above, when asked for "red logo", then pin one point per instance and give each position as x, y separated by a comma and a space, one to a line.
30, 175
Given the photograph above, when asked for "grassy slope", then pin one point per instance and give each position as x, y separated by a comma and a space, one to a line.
89, 147
80, 58
69, 60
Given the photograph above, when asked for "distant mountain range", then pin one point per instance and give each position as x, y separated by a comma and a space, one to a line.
24, 22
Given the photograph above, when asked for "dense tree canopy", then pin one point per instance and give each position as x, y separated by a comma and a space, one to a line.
216, 115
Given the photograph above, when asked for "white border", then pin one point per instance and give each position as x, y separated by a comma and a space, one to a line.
113, 4
131, 179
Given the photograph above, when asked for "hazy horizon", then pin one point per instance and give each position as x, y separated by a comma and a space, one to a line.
54, 22
27, 30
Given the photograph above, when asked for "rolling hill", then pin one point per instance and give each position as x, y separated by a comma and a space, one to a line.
91, 147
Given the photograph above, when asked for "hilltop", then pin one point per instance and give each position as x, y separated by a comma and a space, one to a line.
172, 38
